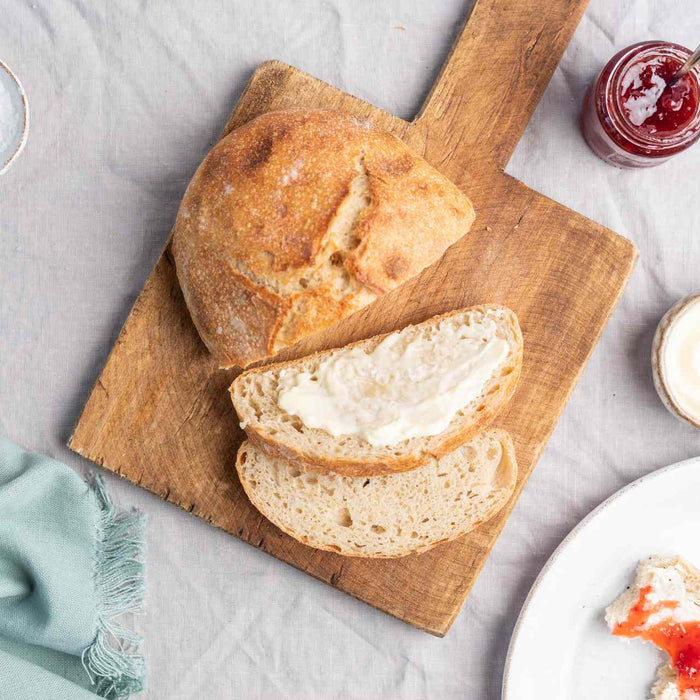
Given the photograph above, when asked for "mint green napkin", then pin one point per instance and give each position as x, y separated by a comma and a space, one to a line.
69, 565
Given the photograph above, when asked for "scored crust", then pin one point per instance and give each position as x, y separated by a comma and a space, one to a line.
254, 395
296, 220
384, 516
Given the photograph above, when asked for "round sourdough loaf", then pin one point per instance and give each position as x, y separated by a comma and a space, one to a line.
298, 219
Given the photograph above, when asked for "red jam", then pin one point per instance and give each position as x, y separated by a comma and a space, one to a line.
680, 640
633, 117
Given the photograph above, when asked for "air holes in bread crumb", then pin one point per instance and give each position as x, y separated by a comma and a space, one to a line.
378, 529
336, 258
343, 518
311, 479
303, 282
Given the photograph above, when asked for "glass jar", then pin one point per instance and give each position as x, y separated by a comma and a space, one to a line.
631, 117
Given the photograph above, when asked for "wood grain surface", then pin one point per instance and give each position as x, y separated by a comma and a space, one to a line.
160, 416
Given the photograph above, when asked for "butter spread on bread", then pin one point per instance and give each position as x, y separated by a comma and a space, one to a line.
662, 606
256, 397
407, 386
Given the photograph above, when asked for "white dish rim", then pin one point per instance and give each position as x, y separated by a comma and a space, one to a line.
562, 546
25, 114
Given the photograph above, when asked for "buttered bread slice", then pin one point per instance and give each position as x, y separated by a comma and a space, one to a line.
389, 403
383, 516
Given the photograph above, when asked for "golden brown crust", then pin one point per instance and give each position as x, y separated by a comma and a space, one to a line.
417, 212
260, 217
253, 312
441, 445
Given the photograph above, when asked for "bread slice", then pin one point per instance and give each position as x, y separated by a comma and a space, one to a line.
384, 516
255, 394
296, 220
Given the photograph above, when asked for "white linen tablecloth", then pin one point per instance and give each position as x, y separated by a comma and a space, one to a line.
126, 97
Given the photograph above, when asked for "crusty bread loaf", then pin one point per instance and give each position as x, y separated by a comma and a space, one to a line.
296, 220
384, 516
255, 395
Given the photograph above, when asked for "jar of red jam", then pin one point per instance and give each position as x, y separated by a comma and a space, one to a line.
632, 117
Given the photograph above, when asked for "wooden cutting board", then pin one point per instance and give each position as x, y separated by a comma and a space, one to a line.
160, 416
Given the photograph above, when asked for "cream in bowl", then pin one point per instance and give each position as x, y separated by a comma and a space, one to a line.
676, 360
14, 117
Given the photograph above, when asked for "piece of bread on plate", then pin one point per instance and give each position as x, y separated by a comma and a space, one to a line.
390, 403
300, 218
384, 516
662, 606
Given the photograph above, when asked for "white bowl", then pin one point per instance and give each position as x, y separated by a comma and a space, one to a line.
663, 386
10, 83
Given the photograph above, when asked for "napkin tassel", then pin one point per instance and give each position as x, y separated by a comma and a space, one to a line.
112, 661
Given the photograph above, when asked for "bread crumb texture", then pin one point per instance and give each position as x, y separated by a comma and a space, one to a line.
383, 516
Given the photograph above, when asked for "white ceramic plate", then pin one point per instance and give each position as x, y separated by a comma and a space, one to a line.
561, 648
10, 85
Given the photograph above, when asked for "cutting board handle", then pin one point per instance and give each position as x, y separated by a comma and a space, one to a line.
490, 84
